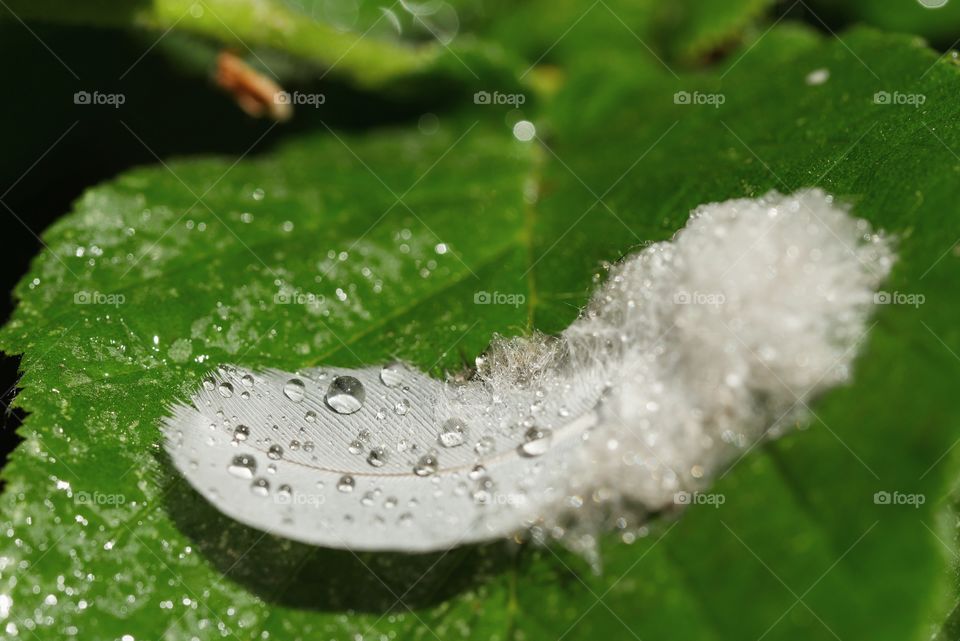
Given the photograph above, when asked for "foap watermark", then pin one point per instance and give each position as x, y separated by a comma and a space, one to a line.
899, 298
714, 299
699, 98
899, 98
84, 297
99, 98
298, 298
296, 498
298, 98
899, 498
498, 298
98, 498
497, 98
699, 498
508, 498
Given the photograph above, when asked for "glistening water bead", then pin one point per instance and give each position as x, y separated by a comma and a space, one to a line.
377, 457
345, 395
243, 466
294, 389
426, 466
346, 483
260, 487
536, 442
452, 433
391, 375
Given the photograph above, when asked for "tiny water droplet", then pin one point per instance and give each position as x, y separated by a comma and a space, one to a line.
483, 495
536, 442
294, 389
402, 407
345, 395
284, 492
477, 472
346, 483
377, 457
241, 432
453, 433
209, 384
275, 452
243, 466
391, 375
484, 445
260, 487
367, 499
426, 466
310, 416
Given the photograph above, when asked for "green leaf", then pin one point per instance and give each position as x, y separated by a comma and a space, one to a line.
470, 41
934, 19
245, 24
798, 550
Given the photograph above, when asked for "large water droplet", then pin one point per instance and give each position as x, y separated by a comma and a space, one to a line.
536, 442
241, 432
453, 433
275, 452
345, 395
294, 389
247, 380
392, 375
243, 466
310, 416
284, 493
226, 390
346, 483
377, 457
209, 384
426, 466
260, 487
